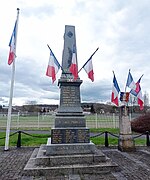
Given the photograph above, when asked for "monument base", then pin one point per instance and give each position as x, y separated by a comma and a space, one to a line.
56, 159
126, 143
72, 148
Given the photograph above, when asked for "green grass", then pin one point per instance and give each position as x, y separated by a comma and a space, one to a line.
101, 141
141, 142
38, 139
26, 140
98, 130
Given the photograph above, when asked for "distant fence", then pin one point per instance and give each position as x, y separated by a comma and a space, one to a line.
37, 120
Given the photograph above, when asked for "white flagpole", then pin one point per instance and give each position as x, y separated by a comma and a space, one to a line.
11, 93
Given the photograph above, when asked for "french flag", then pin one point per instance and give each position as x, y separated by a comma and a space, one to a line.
130, 82
53, 66
115, 92
12, 44
138, 93
124, 96
88, 67
74, 68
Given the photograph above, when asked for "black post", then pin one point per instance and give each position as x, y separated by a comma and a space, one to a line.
147, 138
19, 139
106, 139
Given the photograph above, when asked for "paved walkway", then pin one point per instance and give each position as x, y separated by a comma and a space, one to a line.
133, 166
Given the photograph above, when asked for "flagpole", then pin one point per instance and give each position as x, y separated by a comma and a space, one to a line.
113, 72
126, 84
11, 95
89, 59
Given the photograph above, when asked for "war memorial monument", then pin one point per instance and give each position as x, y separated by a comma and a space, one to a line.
69, 150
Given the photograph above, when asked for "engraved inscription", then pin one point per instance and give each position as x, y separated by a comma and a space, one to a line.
60, 136
57, 136
71, 122
70, 96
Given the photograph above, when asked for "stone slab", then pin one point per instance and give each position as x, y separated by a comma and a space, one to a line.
54, 160
76, 148
70, 135
70, 121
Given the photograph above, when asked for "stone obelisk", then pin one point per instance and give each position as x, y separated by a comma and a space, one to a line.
70, 124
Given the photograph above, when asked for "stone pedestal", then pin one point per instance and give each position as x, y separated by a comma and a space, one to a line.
126, 141
70, 125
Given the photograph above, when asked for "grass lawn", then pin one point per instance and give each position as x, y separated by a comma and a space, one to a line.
99, 130
38, 139
26, 140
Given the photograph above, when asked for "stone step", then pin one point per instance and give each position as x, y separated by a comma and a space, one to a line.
70, 159
39, 164
92, 157
101, 168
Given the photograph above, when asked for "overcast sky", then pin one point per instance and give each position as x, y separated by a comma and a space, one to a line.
121, 30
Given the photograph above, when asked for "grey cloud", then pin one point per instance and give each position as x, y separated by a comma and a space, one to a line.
100, 91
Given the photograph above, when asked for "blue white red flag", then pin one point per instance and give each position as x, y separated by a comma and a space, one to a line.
88, 67
138, 93
130, 82
74, 67
124, 96
12, 44
53, 66
115, 92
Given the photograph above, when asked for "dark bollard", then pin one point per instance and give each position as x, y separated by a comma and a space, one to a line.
106, 139
19, 139
147, 139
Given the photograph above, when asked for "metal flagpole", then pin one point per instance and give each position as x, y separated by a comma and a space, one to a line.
11, 93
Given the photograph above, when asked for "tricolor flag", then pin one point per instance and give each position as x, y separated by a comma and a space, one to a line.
12, 43
88, 67
53, 66
124, 96
130, 83
115, 92
74, 67
138, 93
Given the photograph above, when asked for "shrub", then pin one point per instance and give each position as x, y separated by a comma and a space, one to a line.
141, 124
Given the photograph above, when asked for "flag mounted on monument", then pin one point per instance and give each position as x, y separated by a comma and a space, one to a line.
74, 67
12, 44
138, 93
115, 91
130, 82
88, 67
53, 66
124, 96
